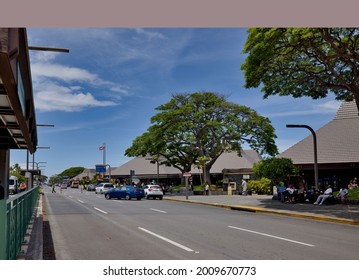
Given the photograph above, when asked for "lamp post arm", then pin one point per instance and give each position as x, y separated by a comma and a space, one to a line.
315, 148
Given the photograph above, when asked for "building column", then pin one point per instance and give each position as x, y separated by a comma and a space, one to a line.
4, 179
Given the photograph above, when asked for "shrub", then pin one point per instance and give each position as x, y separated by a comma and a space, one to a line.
262, 186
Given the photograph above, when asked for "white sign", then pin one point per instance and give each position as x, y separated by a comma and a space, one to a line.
187, 174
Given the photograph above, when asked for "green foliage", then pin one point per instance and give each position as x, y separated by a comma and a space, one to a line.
202, 125
262, 186
303, 61
72, 172
15, 170
275, 169
353, 194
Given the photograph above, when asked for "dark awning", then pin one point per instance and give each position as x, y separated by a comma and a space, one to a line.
17, 113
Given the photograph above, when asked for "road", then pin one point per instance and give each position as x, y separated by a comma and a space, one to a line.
86, 226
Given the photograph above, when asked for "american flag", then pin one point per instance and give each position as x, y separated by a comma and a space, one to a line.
101, 148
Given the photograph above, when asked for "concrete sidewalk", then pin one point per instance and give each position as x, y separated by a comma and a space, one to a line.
339, 213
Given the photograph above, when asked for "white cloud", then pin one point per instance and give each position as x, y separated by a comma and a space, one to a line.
331, 106
150, 35
70, 96
53, 97
328, 107
65, 73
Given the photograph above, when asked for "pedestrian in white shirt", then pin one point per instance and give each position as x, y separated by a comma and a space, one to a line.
244, 187
343, 193
328, 193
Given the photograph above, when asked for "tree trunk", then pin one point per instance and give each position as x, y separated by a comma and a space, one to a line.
206, 174
356, 98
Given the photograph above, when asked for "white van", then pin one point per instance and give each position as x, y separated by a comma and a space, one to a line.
13, 185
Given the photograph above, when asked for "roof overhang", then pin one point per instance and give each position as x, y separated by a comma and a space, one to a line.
17, 113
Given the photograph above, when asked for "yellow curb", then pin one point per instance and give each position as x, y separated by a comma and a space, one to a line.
271, 211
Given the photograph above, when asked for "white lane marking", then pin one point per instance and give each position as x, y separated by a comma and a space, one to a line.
153, 209
79, 200
273, 236
167, 240
100, 210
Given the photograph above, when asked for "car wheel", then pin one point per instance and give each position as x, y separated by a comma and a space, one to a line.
108, 196
160, 197
128, 197
147, 197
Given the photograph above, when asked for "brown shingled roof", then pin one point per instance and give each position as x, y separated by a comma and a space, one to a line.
337, 141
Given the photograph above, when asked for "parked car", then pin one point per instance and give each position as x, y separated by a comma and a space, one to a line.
63, 186
91, 187
103, 187
126, 192
153, 191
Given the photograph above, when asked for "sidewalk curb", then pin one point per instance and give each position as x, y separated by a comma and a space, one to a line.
271, 211
32, 249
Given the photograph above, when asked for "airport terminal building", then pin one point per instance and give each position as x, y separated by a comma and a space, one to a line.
338, 149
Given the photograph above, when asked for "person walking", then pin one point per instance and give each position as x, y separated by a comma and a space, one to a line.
53, 189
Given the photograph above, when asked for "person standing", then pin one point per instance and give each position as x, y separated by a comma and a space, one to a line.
206, 189
244, 187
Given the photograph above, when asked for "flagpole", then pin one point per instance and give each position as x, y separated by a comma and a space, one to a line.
104, 153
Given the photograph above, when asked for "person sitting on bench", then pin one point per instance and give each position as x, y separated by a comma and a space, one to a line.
342, 194
328, 193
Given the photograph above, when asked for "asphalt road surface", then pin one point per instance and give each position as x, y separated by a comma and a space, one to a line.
86, 226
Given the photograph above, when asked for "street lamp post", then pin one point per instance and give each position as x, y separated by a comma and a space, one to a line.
315, 149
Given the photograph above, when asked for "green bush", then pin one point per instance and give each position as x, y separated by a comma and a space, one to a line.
262, 186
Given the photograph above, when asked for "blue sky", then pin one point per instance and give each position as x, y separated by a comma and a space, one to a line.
106, 89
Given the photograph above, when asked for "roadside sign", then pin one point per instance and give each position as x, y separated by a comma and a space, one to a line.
100, 168
187, 174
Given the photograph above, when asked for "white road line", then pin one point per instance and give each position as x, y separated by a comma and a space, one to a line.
100, 210
158, 210
167, 240
80, 201
273, 236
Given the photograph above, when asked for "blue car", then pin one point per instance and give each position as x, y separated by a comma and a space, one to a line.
127, 192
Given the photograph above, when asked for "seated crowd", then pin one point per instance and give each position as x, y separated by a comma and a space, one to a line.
291, 194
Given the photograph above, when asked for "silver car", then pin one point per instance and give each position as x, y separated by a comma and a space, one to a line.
103, 187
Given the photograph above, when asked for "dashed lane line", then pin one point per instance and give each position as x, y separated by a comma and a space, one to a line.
167, 240
273, 236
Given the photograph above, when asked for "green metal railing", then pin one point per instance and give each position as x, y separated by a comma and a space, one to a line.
15, 216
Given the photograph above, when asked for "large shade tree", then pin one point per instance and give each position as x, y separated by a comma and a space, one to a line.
303, 62
191, 127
